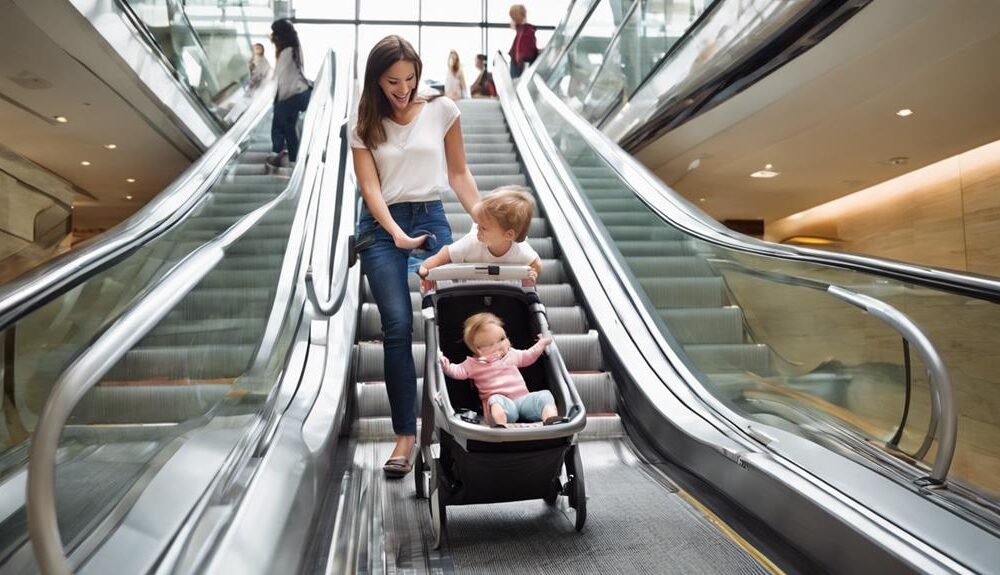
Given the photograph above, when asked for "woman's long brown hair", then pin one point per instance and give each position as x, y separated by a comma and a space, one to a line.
374, 106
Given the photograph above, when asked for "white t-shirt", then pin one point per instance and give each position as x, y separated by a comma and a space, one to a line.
469, 250
411, 162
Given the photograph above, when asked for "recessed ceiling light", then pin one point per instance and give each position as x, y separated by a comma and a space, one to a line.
61, 119
111, 146
904, 112
701, 199
85, 163
768, 166
128, 197
130, 180
897, 161
765, 174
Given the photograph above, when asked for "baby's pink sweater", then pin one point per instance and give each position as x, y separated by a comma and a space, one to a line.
498, 376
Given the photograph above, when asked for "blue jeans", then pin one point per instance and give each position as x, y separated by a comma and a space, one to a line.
526, 408
284, 124
387, 267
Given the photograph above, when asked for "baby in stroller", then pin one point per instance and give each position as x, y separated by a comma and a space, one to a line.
494, 370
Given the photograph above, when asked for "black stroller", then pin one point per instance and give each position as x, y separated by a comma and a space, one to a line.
462, 461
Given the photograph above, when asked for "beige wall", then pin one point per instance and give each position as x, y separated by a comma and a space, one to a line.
944, 215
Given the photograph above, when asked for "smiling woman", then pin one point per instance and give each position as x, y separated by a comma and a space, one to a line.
407, 150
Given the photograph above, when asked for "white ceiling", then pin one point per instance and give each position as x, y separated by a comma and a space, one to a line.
827, 122
97, 115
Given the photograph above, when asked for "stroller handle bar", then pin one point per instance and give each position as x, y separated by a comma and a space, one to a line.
479, 272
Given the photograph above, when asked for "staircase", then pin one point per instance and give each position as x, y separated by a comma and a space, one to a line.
494, 162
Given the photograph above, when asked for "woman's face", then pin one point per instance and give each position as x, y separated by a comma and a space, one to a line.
258, 49
398, 83
452, 58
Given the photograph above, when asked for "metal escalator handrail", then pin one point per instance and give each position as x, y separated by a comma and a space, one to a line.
677, 212
887, 314
25, 294
87, 370
943, 406
941, 386
333, 268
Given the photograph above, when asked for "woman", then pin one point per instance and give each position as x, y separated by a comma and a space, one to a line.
483, 86
524, 50
292, 96
454, 81
401, 145
260, 68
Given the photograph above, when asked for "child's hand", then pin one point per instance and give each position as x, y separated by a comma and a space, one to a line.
427, 285
531, 280
545, 341
445, 362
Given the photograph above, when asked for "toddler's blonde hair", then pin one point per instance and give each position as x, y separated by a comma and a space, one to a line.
512, 207
475, 323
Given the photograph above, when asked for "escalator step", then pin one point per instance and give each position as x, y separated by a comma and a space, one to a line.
668, 266
487, 183
581, 352
685, 292
512, 169
552, 295
138, 404
489, 148
194, 362
205, 332
478, 159
660, 248
755, 358
646, 233
597, 390
705, 325
561, 320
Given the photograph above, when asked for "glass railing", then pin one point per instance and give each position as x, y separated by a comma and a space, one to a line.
604, 50
216, 74
211, 362
773, 339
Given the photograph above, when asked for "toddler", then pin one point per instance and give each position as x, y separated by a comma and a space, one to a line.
498, 235
494, 371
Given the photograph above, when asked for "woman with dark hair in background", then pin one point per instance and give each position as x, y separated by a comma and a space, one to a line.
259, 67
524, 50
483, 86
292, 94
407, 150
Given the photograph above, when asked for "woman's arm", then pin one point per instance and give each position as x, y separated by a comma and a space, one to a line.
371, 192
459, 175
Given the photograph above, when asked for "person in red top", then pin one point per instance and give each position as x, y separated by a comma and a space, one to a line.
525, 47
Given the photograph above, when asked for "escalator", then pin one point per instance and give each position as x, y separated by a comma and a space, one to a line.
193, 300
751, 407
632, 505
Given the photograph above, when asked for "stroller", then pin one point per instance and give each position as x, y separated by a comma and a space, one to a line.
462, 461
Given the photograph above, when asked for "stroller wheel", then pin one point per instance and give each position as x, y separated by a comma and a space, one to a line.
439, 516
419, 475
576, 489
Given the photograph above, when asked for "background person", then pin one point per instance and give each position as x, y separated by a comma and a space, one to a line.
454, 80
292, 96
483, 86
260, 69
524, 50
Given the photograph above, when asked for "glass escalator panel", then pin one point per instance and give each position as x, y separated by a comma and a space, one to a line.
766, 340
190, 368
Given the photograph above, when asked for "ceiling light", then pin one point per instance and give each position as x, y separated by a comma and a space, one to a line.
701, 199
764, 174
85, 163
904, 112
897, 161
130, 180
768, 166
61, 119
111, 146
128, 197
